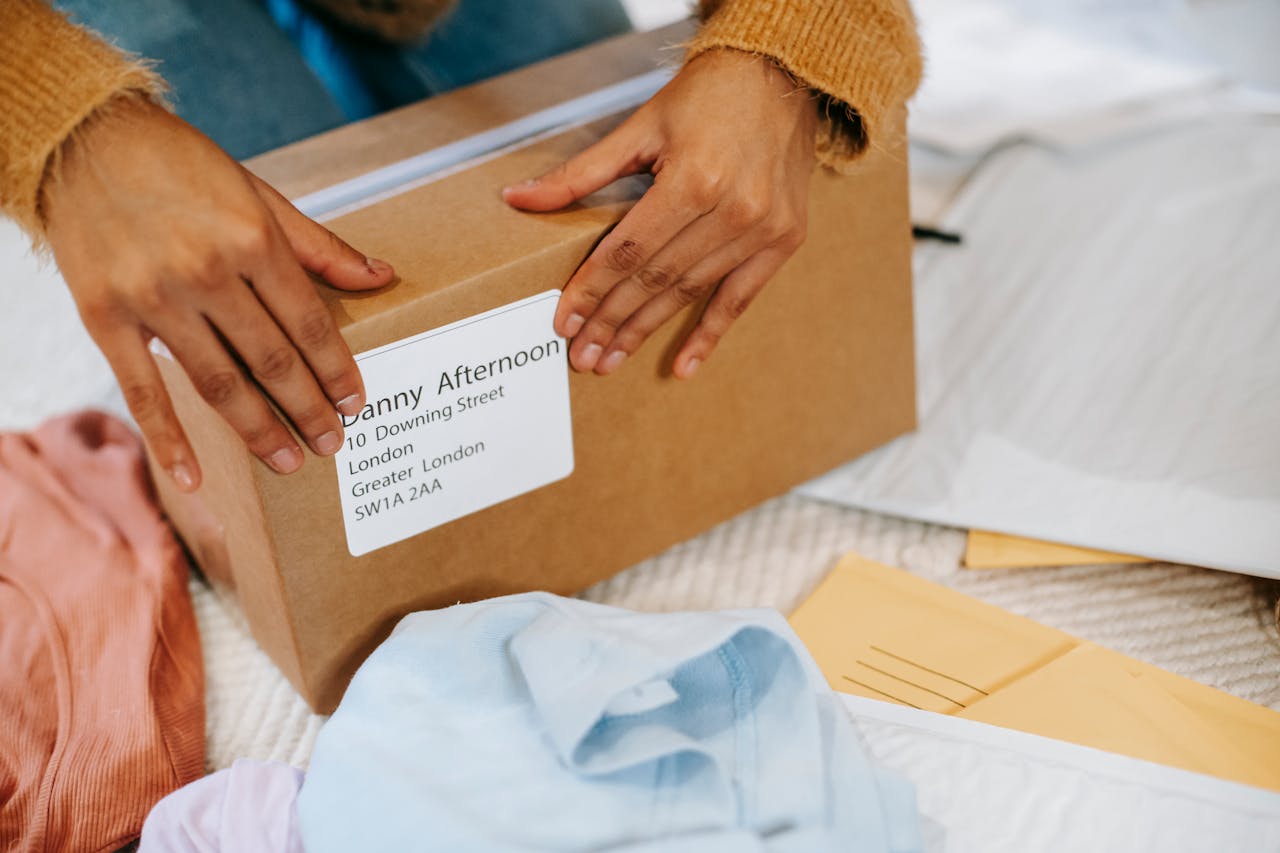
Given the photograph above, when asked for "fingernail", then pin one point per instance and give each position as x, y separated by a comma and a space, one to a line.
590, 355
286, 460
376, 266
328, 443
183, 476
611, 362
691, 367
573, 325
350, 406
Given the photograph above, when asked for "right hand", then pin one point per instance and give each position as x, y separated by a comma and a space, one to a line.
159, 233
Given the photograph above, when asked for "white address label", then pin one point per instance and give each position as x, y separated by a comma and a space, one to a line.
458, 418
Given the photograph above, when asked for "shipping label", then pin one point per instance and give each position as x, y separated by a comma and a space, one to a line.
458, 419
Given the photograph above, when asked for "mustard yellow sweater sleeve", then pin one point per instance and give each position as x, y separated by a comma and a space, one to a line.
53, 75
862, 55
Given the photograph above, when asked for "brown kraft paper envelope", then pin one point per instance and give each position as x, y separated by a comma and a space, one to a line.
988, 550
886, 634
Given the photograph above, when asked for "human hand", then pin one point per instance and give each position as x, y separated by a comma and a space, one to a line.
730, 142
159, 233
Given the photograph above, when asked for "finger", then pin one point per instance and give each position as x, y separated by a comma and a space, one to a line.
662, 213
693, 287
278, 367
291, 298
321, 251
667, 269
224, 386
730, 300
619, 154
125, 348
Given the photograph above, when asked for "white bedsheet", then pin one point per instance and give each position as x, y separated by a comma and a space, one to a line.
995, 73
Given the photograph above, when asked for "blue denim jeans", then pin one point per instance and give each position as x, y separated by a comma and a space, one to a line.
257, 74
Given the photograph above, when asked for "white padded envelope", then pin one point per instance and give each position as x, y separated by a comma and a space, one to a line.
1099, 363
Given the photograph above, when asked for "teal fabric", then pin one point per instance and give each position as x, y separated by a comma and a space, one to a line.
477, 39
232, 73
538, 723
257, 74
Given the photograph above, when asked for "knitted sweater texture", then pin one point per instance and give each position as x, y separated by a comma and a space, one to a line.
863, 56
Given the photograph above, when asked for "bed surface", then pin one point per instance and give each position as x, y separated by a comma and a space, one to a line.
1214, 627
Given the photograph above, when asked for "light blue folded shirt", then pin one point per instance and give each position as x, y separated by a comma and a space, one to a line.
540, 723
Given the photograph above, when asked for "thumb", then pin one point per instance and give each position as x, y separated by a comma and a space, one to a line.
614, 157
321, 251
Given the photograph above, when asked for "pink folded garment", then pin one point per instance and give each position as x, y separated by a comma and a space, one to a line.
101, 678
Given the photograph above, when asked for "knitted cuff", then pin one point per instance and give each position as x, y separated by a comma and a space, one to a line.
863, 56
53, 75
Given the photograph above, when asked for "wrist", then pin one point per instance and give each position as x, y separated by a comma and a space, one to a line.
765, 77
107, 127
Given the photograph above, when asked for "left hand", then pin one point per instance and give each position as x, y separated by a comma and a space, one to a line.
730, 142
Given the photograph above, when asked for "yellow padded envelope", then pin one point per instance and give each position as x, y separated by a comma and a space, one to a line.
886, 634
986, 550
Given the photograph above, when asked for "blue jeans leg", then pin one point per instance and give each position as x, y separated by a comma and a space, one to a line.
232, 73
257, 74
477, 39
483, 38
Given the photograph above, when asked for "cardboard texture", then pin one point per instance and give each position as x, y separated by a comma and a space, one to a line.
818, 371
886, 634
986, 550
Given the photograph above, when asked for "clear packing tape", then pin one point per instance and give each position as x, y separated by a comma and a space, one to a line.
885, 634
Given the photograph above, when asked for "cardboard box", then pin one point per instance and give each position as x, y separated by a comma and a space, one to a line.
819, 370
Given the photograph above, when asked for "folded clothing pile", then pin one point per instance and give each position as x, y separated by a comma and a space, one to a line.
531, 722
534, 722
